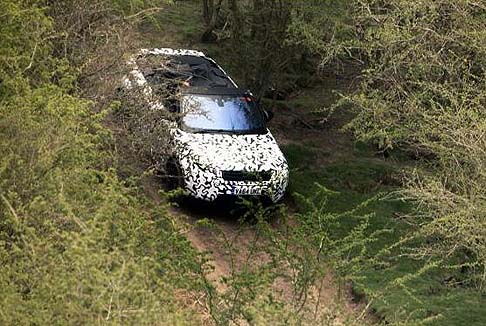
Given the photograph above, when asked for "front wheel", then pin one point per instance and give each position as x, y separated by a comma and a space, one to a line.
174, 176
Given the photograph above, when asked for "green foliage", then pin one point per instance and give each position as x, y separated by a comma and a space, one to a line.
319, 25
423, 90
274, 277
422, 94
399, 285
26, 52
77, 246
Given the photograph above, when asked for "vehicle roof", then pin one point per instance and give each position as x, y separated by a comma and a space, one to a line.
190, 66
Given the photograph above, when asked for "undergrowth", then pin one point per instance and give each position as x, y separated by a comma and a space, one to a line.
78, 245
396, 284
277, 278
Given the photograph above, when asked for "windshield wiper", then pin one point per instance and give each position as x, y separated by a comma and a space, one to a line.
213, 131
231, 132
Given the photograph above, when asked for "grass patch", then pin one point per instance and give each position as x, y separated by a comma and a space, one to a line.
299, 156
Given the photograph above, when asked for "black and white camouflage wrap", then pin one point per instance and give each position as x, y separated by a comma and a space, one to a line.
203, 157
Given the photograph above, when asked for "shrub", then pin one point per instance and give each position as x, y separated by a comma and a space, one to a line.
423, 90
77, 246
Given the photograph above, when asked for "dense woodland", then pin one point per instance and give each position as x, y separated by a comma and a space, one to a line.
382, 109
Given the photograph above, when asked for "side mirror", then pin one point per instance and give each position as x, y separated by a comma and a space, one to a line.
268, 115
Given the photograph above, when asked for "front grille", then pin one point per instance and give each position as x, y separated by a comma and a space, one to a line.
247, 176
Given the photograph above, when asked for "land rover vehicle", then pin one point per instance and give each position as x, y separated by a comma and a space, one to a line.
220, 143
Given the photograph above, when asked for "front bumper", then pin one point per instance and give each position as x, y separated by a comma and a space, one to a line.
209, 185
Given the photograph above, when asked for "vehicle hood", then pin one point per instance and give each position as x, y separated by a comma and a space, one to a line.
231, 152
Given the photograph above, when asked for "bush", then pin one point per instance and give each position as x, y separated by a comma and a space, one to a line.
423, 90
77, 246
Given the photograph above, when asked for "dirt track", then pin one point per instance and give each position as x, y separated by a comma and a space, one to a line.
234, 246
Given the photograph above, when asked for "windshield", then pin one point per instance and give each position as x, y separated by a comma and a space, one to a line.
222, 113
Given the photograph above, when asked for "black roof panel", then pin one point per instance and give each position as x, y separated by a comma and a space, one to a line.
196, 71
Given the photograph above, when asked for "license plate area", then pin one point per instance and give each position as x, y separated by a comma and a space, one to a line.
246, 191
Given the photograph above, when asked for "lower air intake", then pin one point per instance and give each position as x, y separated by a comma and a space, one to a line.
247, 176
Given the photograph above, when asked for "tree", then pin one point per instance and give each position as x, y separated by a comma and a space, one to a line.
77, 245
282, 39
261, 26
421, 91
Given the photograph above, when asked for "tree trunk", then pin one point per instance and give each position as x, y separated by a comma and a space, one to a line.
236, 20
213, 12
207, 6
